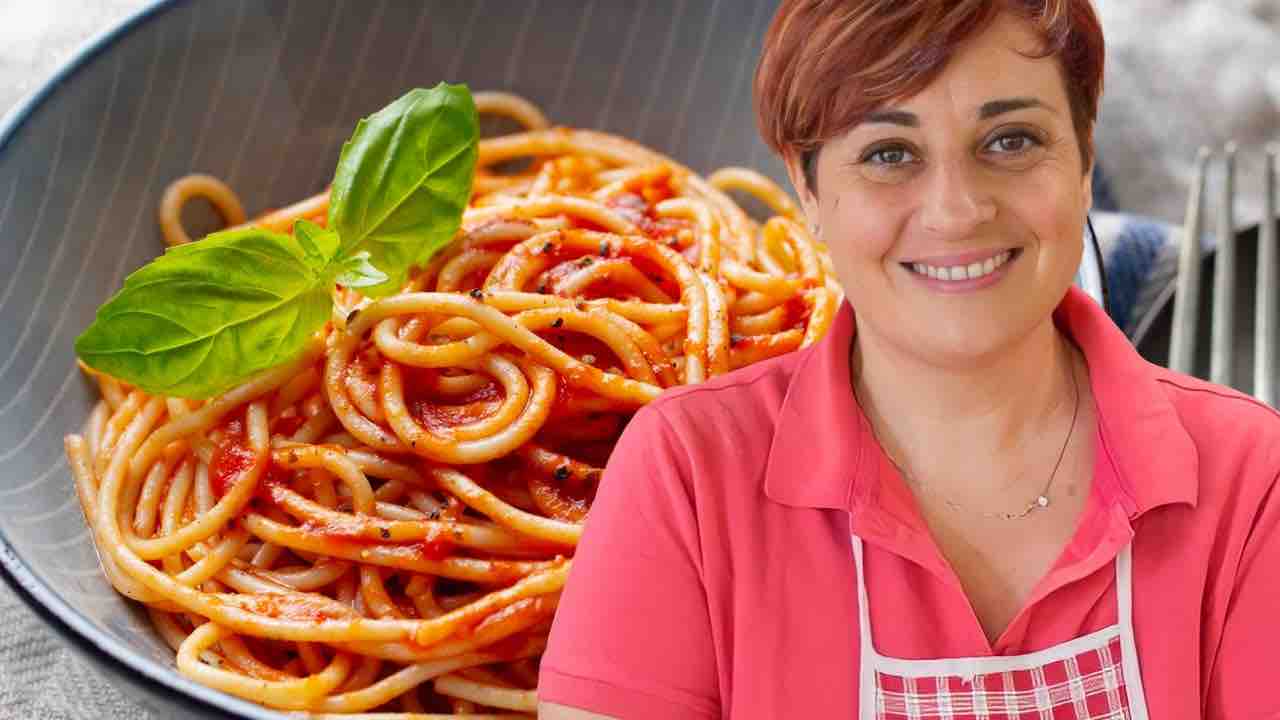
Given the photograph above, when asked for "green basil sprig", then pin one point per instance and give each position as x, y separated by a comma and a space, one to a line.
403, 180
206, 316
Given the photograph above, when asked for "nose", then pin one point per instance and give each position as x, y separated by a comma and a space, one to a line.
955, 201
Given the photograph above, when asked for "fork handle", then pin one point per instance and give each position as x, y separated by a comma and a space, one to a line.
1186, 298
1265, 325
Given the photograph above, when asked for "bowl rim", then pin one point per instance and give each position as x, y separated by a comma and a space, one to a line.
70, 624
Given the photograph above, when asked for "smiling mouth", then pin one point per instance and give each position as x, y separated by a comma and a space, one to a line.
971, 271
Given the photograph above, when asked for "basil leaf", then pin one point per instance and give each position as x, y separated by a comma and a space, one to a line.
207, 315
356, 272
403, 180
319, 244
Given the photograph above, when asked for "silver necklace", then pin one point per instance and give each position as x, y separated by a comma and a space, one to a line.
1040, 502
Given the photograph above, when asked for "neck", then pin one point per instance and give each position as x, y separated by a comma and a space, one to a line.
958, 426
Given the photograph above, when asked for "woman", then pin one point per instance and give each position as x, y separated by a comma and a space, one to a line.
983, 502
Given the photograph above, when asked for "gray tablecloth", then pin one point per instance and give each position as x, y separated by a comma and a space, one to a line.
41, 678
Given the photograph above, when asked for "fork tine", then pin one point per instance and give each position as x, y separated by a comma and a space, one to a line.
1186, 299
1265, 329
1222, 342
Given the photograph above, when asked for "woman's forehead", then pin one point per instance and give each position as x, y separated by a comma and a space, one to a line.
995, 71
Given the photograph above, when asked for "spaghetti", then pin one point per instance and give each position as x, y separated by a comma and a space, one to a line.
385, 524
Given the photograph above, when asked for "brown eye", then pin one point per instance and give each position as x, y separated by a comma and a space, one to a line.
889, 156
1013, 143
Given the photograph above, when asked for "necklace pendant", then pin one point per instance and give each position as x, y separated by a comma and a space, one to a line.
1042, 501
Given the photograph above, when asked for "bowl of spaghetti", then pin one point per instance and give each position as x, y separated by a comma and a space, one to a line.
312, 361
377, 513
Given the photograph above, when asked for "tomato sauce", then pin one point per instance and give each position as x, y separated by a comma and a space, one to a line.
437, 546
287, 425
231, 458
437, 413
292, 607
797, 313
638, 210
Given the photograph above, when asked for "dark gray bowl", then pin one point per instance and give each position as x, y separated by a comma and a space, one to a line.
263, 93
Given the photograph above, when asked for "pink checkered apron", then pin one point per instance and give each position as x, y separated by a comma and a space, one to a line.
1093, 677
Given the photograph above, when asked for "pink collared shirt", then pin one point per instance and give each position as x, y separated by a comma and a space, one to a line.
715, 577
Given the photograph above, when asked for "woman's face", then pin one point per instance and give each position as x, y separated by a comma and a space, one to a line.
979, 177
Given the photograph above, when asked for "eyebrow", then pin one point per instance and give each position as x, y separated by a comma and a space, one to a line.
999, 107
893, 117
988, 110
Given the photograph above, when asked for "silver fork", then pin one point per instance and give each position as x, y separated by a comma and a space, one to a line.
1186, 299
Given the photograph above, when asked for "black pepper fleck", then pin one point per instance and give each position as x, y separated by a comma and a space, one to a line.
562, 472
557, 323
604, 248
386, 534
548, 247
477, 293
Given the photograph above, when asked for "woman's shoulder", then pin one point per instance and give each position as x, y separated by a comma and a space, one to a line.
1236, 440
1210, 411
715, 430
745, 400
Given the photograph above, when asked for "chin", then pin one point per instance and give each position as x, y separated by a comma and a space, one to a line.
971, 339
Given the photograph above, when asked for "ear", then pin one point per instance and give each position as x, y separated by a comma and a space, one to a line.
808, 198
1087, 187
1087, 182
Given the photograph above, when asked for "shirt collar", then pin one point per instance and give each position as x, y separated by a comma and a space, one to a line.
822, 448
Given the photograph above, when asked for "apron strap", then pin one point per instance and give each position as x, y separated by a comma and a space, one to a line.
1128, 645
864, 613
867, 696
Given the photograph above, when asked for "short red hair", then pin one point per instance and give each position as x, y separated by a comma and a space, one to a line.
827, 63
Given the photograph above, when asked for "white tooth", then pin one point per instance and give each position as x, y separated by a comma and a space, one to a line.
959, 273
931, 271
989, 266
919, 267
975, 270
